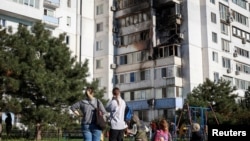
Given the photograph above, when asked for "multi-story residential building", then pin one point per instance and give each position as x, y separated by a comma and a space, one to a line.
164, 48
153, 50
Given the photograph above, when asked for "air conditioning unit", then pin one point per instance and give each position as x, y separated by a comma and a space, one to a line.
181, 35
235, 54
237, 72
228, 70
244, 40
116, 43
178, 16
230, 19
113, 8
178, 21
113, 66
115, 30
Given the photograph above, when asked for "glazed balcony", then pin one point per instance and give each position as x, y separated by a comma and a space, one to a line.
20, 11
49, 21
52, 3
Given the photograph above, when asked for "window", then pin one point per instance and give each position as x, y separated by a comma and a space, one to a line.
224, 10
225, 45
240, 18
26, 2
212, 1
98, 64
98, 45
132, 77
241, 3
99, 27
242, 52
99, 9
216, 77
242, 84
69, 3
36, 3
224, 28
3, 22
144, 75
215, 56
122, 79
230, 79
68, 21
67, 40
99, 79
123, 60
32, 3
214, 37
226, 63
240, 33
49, 12
164, 72
213, 17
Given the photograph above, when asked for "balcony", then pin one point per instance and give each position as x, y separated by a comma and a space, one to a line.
135, 28
52, 3
163, 103
20, 11
49, 21
160, 3
133, 9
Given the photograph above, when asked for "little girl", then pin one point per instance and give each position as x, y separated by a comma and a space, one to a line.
162, 134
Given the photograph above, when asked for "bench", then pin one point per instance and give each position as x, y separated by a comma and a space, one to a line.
72, 135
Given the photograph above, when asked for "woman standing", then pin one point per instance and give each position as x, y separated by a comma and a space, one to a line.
90, 131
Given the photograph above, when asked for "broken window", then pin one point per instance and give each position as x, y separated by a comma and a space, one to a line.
145, 17
161, 51
127, 21
140, 17
131, 19
136, 19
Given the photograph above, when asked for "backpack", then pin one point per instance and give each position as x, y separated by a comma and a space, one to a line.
128, 113
169, 136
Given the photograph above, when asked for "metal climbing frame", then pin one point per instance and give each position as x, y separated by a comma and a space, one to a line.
195, 114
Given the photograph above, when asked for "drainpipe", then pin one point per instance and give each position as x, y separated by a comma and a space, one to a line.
153, 28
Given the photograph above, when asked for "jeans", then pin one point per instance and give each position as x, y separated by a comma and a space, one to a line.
91, 132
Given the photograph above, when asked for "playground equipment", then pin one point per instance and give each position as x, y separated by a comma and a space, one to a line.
195, 115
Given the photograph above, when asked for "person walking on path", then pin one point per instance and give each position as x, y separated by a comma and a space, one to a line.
116, 107
90, 131
8, 124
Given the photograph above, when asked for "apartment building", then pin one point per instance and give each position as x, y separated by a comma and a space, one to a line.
164, 48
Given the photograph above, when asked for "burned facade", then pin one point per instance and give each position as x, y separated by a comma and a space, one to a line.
147, 41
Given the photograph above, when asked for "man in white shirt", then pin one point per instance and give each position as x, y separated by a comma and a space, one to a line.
116, 107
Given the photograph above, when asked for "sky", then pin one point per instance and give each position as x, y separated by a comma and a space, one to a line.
4, 117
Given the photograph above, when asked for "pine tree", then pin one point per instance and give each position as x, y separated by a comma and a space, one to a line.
39, 77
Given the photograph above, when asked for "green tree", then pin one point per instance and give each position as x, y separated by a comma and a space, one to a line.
219, 97
39, 77
244, 114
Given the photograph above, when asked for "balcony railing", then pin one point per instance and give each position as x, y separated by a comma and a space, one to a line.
51, 21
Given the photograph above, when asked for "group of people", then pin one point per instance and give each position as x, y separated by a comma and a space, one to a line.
115, 109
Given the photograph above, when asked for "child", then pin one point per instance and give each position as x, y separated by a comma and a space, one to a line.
162, 134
